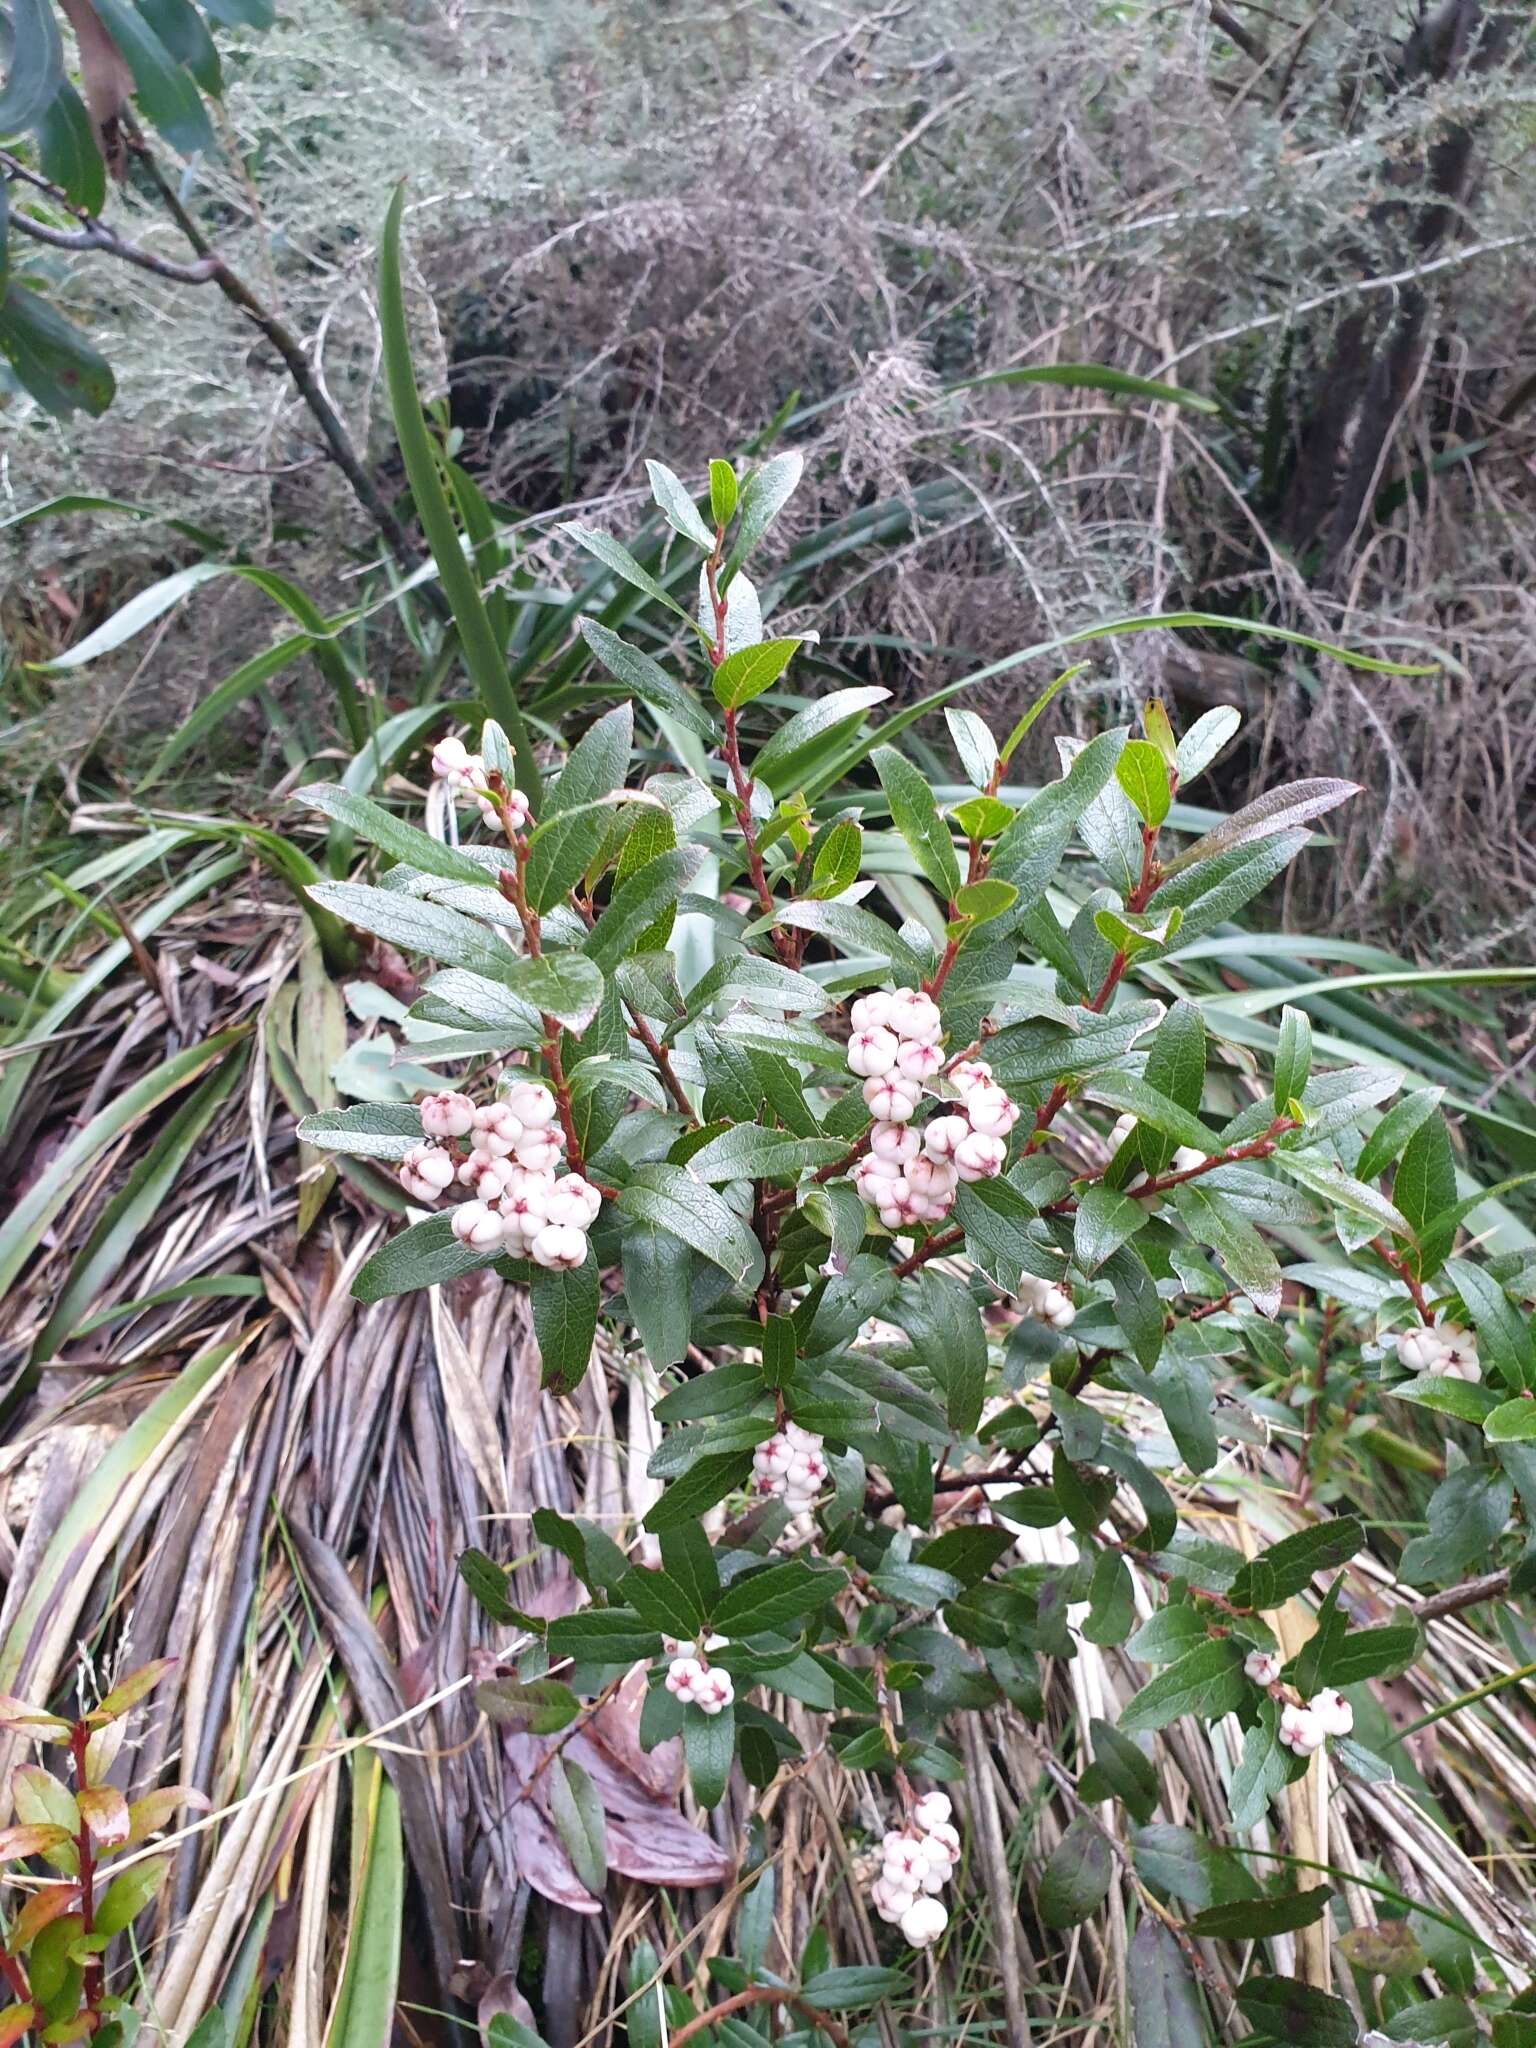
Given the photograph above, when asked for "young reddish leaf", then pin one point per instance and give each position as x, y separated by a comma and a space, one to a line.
38, 1911
130, 1690
105, 1812
14, 2022
17, 1714
148, 1815
31, 1838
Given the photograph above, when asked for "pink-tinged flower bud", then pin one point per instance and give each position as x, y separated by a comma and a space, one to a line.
773, 1458
447, 1115
590, 1197
1419, 1350
918, 1062
542, 1150
532, 1104
564, 1204
1057, 1310
560, 1247
515, 804
427, 1171
923, 1922
905, 1862
895, 1142
523, 1200
1334, 1713
990, 1111
872, 1176
714, 1691
1301, 1731
1262, 1666
968, 1074
979, 1157
943, 1136
890, 1901
934, 1179
916, 1015
872, 1052
889, 1100
479, 1226
942, 1846
683, 1677
872, 1011
496, 1130
800, 1439
1186, 1158
450, 759
933, 1811
895, 1216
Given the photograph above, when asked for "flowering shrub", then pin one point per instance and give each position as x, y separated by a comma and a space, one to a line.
941, 1234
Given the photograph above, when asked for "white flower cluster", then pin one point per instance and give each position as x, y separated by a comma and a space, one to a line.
1046, 1301
694, 1681
910, 1176
1305, 1728
465, 775
1444, 1349
518, 1204
790, 1466
1184, 1160
917, 1861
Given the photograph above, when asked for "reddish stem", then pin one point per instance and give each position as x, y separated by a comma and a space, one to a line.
79, 1738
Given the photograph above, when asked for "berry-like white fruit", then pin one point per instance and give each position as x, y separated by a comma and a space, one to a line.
447, 1114
479, 1226
497, 1130
968, 1074
872, 1010
1262, 1666
1301, 1731
991, 1111
873, 1052
683, 1676
943, 1136
979, 1157
531, 1103
1187, 1157
896, 1143
1334, 1713
713, 1691
905, 1861
916, 1015
1419, 1349
917, 1061
541, 1149
932, 1811
565, 1204
890, 1100
923, 1922
559, 1247
452, 760
427, 1171
890, 1901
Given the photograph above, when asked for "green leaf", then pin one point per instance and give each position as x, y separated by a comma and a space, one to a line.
1120, 1770
574, 821
484, 657
488, 1584
1093, 377
603, 1636
1248, 1261
67, 152
982, 901
1293, 1060
564, 1306
1512, 1422
1325, 1176
791, 753
646, 678
577, 1813
705, 1483
402, 842
658, 1275
856, 1984
1263, 1770
1078, 1875
1289, 1566
944, 1323
851, 930
1205, 739
615, 556
722, 493
52, 360
678, 507
36, 65
709, 1746
751, 670
1190, 1866
1394, 1131
772, 1600
1372, 1653
163, 90
762, 498
1257, 1919
673, 1199
638, 900
426, 1255
185, 34
1207, 1680
1283, 2009
835, 865
541, 1705
128, 1895
1111, 1600
916, 817
1467, 1514
1104, 1221
1503, 1333
1278, 810
752, 1152
1164, 1998
1143, 774
974, 744
1138, 1307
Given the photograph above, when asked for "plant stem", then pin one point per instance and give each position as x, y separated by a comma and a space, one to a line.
79, 1737
759, 1994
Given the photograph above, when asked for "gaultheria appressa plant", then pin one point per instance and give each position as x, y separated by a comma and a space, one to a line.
942, 1239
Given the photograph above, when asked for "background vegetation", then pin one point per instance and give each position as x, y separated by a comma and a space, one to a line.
633, 231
